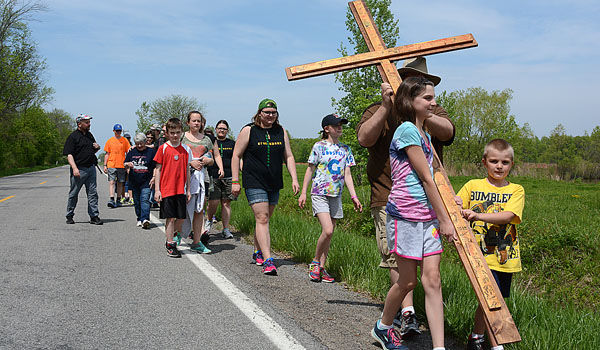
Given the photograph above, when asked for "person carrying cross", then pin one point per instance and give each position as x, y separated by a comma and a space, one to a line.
375, 132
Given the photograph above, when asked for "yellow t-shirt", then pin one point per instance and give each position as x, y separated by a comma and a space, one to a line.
116, 148
499, 243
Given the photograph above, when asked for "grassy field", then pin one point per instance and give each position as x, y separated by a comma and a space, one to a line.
554, 299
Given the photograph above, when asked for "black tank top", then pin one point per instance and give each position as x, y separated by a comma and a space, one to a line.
263, 158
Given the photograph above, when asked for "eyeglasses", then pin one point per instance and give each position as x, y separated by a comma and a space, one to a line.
269, 113
223, 129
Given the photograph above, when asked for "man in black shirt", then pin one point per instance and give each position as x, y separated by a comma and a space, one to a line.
80, 149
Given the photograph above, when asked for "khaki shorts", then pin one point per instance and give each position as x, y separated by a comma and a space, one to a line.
388, 259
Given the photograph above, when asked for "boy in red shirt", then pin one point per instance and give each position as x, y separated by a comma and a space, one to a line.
172, 182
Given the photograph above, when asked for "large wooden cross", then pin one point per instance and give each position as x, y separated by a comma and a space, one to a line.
497, 315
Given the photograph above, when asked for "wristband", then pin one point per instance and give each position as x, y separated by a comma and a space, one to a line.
235, 182
353, 197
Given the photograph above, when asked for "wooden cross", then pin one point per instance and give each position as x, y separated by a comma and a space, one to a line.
497, 315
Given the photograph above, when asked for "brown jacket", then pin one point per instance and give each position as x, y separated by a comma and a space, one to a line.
378, 166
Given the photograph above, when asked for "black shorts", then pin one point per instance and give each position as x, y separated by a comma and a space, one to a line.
173, 207
503, 280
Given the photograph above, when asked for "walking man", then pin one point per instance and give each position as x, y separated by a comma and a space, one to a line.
80, 149
116, 147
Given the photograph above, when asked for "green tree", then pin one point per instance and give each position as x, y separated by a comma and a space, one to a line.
162, 109
479, 116
362, 86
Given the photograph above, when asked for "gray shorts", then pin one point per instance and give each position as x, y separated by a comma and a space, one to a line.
326, 204
221, 190
413, 240
119, 174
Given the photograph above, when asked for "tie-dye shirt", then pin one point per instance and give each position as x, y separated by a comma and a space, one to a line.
408, 200
331, 160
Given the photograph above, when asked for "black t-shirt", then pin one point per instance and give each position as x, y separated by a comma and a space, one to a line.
263, 158
143, 167
226, 152
80, 146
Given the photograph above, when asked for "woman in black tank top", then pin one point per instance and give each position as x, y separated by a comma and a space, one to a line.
264, 146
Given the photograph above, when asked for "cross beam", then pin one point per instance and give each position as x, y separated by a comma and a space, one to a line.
497, 315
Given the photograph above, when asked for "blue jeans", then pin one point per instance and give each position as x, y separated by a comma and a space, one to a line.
141, 202
88, 178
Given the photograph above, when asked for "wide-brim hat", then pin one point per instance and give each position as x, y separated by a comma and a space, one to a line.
418, 65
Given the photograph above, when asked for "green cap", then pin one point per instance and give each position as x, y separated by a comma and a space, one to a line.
267, 103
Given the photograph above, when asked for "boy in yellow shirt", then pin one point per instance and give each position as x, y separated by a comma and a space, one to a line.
494, 206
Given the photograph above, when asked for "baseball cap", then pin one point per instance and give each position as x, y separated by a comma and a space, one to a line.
117, 127
82, 117
333, 119
267, 103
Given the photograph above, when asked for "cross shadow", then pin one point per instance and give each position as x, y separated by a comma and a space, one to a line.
355, 303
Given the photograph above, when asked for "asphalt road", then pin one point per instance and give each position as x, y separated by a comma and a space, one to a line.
113, 287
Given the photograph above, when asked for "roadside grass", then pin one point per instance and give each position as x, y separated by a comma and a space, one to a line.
553, 301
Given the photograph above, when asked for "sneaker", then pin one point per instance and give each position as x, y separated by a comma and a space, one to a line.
257, 257
70, 220
207, 226
204, 238
475, 343
177, 238
409, 326
172, 250
314, 272
191, 235
214, 220
146, 224
199, 248
388, 338
269, 267
325, 277
131, 202
124, 200
111, 204
227, 234
139, 224
96, 221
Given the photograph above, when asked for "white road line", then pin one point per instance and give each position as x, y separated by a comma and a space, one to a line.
279, 337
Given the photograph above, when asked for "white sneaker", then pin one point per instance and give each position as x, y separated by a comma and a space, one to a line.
227, 233
146, 224
139, 224
207, 226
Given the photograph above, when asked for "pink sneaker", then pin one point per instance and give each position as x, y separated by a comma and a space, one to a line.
269, 267
314, 272
325, 277
257, 257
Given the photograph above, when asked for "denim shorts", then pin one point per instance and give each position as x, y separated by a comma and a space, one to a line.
258, 195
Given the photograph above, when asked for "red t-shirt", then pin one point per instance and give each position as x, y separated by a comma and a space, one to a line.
173, 172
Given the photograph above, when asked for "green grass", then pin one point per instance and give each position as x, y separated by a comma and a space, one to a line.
554, 300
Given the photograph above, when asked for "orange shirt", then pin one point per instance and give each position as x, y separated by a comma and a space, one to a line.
116, 149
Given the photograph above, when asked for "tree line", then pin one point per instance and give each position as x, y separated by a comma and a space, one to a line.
29, 135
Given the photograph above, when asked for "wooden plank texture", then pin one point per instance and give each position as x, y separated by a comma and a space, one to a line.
496, 313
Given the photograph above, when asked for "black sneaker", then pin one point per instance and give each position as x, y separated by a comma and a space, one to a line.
172, 250
70, 220
475, 343
96, 221
204, 238
409, 326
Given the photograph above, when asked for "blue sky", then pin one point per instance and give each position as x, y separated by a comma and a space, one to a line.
106, 57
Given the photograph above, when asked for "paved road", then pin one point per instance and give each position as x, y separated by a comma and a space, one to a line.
113, 287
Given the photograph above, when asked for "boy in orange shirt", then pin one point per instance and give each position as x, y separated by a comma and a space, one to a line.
116, 147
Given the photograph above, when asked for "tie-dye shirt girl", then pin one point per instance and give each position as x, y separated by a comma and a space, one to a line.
330, 159
408, 200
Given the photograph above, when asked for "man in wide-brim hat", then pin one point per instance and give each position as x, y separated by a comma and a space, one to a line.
375, 131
